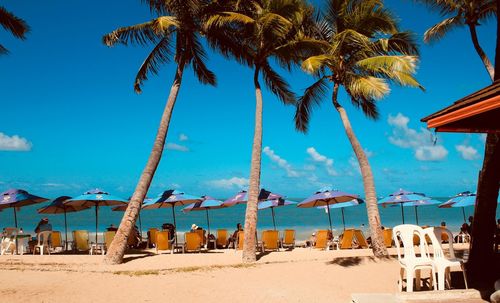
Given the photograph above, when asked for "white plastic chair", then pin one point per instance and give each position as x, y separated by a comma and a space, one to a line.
43, 242
442, 263
410, 262
8, 241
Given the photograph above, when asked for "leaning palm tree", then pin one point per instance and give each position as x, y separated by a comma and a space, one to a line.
365, 52
175, 33
17, 26
462, 13
264, 29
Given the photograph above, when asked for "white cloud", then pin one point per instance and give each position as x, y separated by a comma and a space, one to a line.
14, 143
327, 162
177, 147
420, 141
229, 183
183, 137
290, 172
467, 152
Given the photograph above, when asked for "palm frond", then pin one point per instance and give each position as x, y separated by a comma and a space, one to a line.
277, 84
313, 95
297, 50
315, 63
141, 34
439, 30
228, 19
274, 25
367, 87
201, 71
389, 64
17, 26
3, 50
160, 54
399, 43
164, 24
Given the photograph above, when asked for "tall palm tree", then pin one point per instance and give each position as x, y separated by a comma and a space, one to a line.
462, 13
365, 53
264, 29
17, 26
175, 33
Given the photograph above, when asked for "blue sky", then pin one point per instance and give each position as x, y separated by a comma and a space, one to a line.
71, 120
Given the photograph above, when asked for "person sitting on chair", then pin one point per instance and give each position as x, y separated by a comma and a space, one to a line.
234, 236
43, 225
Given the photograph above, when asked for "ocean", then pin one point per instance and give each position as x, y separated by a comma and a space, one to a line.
304, 220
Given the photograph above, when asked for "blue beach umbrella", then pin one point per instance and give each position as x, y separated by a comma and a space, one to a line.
242, 197
16, 198
272, 204
354, 202
327, 197
95, 198
206, 204
58, 207
418, 203
402, 196
171, 198
462, 200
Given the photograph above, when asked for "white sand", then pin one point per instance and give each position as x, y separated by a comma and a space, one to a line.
301, 275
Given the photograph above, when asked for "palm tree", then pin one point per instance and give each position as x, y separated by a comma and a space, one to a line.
17, 26
175, 33
365, 52
263, 29
462, 13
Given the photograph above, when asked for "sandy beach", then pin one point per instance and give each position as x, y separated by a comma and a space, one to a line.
301, 275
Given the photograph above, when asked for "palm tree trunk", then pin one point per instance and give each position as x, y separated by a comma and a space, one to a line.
482, 254
253, 192
117, 248
489, 67
378, 247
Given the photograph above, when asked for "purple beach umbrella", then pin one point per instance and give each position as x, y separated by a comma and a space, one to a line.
272, 204
242, 197
402, 196
327, 197
207, 203
16, 198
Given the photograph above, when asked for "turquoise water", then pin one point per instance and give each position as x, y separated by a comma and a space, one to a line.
303, 220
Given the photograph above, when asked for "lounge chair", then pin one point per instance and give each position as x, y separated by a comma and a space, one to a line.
387, 233
43, 242
56, 240
442, 263
152, 237
108, 238
347, 239
163, 242
221, 238
201, 233
81, 240
288, 238
270, 240
192, 242
240, 238
409, 261
360, 238
322, 239
8, 242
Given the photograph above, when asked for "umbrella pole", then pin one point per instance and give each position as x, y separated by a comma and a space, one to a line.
343, 220
416, 214
175, 225
65, 230
274, 222
208, 222
402, 213
463, 213
96, 221
329, 217
140, 225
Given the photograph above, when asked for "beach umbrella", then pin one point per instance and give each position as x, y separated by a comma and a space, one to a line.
95, 198
16, 198
418, 203
342, 206
327, 197
462, 200
171, 198
58, 207
206, 204
242, 197
272, 204
402, 196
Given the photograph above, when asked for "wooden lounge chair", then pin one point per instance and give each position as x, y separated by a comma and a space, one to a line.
81, 240
201, 233
56, 240
108, 238
152, 237
270, 240
192, 242
221, 238
288, 238
360, 238
387, 233
163, 242
321, 239
239, 240
347, 239
43, 242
